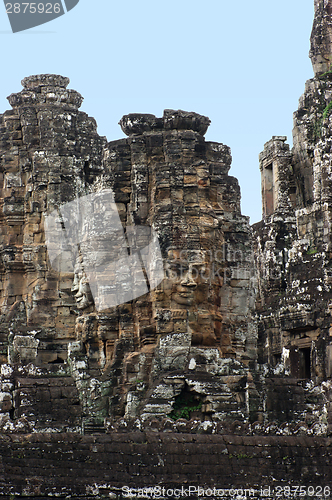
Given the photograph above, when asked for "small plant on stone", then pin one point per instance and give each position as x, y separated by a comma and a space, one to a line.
319, 123
327, 73
327, 110
184, 404
311, 251
240, 456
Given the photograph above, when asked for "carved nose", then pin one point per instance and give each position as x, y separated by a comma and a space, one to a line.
188, 282
75, 285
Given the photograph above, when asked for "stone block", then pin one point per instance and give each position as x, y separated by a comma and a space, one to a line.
6, 403
180, 326
25, 348
64, 311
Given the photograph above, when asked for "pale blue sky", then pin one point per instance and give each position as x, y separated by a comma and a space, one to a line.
243, 64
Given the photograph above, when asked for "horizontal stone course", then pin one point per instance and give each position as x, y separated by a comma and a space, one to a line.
69, 463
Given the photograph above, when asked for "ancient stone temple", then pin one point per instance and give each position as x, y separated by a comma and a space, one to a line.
146, 329
191, 333
293, 241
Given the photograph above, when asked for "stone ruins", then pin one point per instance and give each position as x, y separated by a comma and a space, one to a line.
238, 329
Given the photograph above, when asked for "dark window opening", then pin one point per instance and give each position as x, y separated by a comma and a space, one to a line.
187, 404
55, 361
268, 190
300, 362
304, 363
276, 359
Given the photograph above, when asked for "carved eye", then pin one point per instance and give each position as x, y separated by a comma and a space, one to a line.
176, 270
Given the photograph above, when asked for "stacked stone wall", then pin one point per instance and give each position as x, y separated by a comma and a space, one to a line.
74, 466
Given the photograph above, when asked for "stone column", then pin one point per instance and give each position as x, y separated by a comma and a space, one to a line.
278, 187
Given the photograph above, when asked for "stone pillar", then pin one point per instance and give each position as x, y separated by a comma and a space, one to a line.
278, 190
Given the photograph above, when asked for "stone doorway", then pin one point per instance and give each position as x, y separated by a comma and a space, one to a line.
300, 362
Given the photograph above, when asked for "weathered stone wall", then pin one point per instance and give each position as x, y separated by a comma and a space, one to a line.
167, 176
321, 37
75, 466
48, 152
192, 337
293, 243
226, 363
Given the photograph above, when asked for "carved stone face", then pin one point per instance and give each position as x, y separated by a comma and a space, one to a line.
184, 290
81, 288
194, 280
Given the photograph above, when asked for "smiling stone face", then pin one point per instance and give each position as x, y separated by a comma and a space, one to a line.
168, 178
195, 278
81, 288
165, 178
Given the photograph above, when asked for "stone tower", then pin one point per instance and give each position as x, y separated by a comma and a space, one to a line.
168, 177
49, 153
321, 37
293, 242
193, 333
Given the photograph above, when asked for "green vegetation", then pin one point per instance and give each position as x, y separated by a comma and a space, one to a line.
327, 73
327, 110
323, 110
311, 251
240, 456
184, 404
319, 123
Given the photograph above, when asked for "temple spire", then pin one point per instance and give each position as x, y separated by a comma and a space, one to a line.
321, 37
